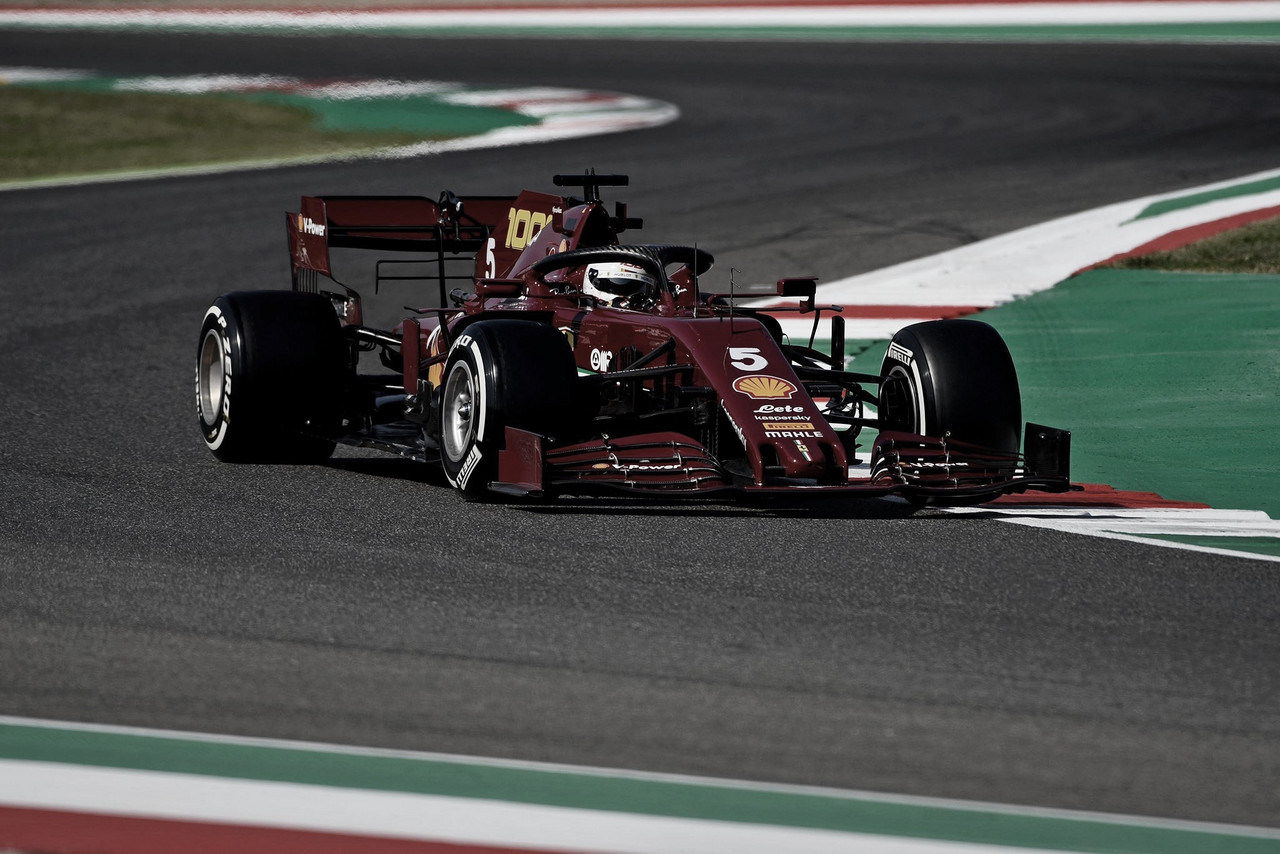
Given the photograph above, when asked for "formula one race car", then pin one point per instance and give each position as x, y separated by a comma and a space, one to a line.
566, 361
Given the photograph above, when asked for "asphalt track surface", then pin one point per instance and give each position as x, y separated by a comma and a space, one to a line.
839, 643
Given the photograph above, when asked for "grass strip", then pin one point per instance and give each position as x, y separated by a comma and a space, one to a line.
1253, 249
52, 133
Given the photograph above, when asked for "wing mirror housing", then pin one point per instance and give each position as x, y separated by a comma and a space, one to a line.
803, 288
799, 288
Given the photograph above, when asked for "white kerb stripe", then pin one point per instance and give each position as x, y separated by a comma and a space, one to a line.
151, 794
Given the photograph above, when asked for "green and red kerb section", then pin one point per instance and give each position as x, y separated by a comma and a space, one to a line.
114, 790
1193, 469
1164, 378
442, 115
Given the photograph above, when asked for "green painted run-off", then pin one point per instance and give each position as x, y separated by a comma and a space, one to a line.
1168, 382
616, 793
427, 116
423, 115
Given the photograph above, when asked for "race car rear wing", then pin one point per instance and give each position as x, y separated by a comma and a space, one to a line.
444, 229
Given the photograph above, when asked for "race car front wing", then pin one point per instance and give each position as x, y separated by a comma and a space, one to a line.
905, 464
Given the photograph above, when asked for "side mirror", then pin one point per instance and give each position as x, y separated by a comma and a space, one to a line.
806, 289
801, 288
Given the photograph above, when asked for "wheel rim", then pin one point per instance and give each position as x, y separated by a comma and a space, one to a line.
211, 377
458, 428
898, 402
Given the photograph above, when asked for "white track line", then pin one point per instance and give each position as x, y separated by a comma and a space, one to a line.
1033, 259
1140, 525
670, 18
251, 803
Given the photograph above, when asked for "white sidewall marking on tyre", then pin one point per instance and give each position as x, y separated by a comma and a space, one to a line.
222, 419
920, 412
473, 460
444, 433
478, 403
481, 391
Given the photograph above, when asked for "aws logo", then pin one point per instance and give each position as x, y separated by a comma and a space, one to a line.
764, 387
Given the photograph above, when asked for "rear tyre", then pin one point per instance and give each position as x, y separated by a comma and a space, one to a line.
500, 373
269, 371
952, 377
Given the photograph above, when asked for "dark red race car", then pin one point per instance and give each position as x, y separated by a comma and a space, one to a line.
551, 357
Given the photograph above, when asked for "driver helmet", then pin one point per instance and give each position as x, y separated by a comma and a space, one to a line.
614, 280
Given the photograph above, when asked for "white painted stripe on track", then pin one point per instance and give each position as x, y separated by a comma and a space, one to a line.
1034, 259
1109, 533
673, 18
1140, 525
1020, 263
252, 803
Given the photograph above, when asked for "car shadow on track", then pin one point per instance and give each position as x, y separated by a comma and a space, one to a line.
392, 468
751, 507
723, 506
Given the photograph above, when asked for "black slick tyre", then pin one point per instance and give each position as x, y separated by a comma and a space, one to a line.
952, 377
269, 374
500, 373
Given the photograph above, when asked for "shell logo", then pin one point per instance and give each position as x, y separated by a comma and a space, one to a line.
764, 387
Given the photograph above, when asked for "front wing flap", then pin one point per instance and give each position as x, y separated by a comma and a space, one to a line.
905, 464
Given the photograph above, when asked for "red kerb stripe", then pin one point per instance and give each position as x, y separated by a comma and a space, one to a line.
84, 833
1099, 495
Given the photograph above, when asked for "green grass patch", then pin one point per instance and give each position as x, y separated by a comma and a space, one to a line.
47, 133
1253, 249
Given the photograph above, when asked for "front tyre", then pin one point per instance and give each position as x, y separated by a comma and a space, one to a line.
500, 373
952, 377
269, 371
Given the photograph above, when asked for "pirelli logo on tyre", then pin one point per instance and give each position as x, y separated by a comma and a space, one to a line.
902, 354
764, 387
